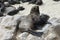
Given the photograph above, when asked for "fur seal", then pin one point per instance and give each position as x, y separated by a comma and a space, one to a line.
13, 2
33, 20
2, 8
56, 0
39, 2
38, 20
25, 1
12, 10
32, 2
26, 23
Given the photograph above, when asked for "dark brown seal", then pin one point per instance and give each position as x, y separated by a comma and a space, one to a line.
39, 2
30, 22
56, 0
26, 23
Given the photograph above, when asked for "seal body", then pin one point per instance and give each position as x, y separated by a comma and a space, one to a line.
25, 23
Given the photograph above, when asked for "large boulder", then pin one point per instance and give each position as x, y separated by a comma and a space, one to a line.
8, 26
32, 37
22, 36
52, 32
6, 4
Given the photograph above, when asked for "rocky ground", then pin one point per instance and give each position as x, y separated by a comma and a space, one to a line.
50, 31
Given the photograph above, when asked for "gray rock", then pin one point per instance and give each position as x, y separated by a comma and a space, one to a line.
6, 4
10, 10
27, 22
31, 37
8, 26
53, 30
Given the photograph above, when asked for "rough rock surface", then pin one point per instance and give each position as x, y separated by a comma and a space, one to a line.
50, 31
53, 31
7, 27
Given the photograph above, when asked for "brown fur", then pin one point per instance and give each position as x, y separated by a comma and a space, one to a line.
26, 23
35, 14
39, 2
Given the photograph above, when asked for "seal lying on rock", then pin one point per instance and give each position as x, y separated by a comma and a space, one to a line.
25, 0
56, 0
32, 2
29, 22
26, 23
32, 20
14, 2
2, 8
12, 10
35, 15
37, 2
38, 20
